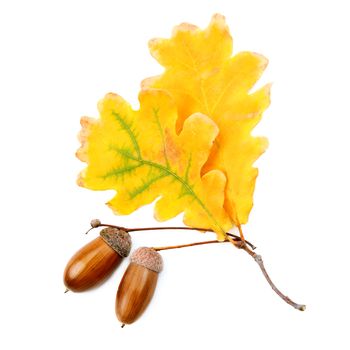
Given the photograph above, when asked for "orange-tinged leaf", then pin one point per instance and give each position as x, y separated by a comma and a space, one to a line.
202, 76
140, 155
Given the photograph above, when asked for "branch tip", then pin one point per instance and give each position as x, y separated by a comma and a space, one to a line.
302, 307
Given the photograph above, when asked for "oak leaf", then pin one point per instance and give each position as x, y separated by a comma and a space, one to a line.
203, 76
140, 155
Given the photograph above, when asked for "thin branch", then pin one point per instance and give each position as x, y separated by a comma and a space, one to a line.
256, 257
260, 262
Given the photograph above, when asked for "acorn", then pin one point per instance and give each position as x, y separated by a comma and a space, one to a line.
138, 284
93, 263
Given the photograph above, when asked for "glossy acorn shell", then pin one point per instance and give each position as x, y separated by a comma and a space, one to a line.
91, 265
135, 292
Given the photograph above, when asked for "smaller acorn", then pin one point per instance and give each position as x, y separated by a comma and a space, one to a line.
138, 284
93, 263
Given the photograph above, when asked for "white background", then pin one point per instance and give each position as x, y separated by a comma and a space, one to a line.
58, 58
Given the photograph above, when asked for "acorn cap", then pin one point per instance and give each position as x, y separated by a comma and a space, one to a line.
118, 240
148, 258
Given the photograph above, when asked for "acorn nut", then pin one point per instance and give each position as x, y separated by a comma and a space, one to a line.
138, 284
93, 263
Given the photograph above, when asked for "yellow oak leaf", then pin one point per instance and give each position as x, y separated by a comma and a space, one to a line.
140, 155
202, 76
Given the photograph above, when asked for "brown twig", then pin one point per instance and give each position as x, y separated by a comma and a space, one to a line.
256, 257
260, 262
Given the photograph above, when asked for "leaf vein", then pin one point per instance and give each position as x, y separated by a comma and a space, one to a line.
128, 129
146, 185
121, 171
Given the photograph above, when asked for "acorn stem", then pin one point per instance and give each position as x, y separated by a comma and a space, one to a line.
235, 237
187, 245
66, 291
123, 325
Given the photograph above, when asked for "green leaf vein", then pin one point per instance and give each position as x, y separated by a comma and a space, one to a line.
128, 128
146, 185
164, 170
117, 172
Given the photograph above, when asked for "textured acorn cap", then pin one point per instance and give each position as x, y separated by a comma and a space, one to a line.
148, 258
118, 240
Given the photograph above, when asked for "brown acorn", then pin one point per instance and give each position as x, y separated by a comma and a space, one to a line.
138, 284
93, 263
